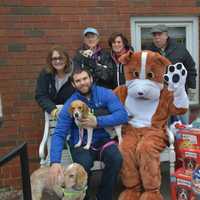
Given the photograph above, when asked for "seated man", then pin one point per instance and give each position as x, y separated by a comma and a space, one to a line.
95, 97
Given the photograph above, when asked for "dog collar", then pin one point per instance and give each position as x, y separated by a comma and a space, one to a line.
73, 193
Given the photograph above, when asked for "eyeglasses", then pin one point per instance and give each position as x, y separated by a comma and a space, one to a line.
60, 58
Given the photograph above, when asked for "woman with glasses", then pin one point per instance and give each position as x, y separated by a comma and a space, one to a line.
53, 84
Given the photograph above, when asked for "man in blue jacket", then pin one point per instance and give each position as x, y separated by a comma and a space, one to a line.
96, 98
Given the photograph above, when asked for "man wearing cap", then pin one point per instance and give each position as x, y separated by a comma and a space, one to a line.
175, 52
95, 59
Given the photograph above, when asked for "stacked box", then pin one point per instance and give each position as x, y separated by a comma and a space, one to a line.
186, 138
190, 159
185, 182
181, 186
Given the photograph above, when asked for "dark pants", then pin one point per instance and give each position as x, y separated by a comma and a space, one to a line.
113, 162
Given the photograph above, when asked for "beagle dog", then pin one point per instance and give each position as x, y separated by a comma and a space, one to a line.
79, 110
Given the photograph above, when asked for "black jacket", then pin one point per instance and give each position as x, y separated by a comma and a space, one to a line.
118, 70
178, 53
100, 66
46, 94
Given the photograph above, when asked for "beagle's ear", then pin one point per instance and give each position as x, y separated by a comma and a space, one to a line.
85, 108
61, 179
81, 177
124, 59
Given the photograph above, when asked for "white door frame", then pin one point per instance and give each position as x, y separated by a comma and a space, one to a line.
192, 36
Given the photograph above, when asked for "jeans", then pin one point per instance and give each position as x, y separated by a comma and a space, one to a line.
112, 159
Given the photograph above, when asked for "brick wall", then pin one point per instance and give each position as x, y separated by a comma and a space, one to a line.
28, 28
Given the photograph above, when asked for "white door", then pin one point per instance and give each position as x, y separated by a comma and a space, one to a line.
184, 29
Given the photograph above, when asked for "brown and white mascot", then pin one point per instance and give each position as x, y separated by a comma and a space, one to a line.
149, 103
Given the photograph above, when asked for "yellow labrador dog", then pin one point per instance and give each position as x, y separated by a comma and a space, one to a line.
73, 187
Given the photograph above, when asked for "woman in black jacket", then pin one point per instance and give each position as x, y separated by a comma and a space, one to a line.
119, 45
53, 84
95, 59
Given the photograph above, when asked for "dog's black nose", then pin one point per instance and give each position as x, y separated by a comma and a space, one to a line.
140, 93
76, 115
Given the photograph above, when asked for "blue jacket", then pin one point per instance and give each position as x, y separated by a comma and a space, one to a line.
100, 98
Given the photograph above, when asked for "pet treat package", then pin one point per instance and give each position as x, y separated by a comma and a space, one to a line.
190, 159
186, 138
181, 186
196, 181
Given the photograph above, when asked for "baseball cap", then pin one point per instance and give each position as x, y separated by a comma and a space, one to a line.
159, 28
90, 30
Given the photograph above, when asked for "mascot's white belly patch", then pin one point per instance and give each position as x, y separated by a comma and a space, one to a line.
140, 111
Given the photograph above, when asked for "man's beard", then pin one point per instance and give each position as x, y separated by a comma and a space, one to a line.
86, 93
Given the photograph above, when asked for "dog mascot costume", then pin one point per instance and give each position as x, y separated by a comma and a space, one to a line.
149, 103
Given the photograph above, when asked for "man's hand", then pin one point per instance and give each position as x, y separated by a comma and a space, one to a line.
90, 122
56, 175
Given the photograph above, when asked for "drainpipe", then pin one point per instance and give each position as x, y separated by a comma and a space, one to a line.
1, 112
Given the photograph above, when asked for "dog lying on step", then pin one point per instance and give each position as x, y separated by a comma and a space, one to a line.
72, 187
79, 110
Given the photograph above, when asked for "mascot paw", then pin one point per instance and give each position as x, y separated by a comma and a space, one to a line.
175, 76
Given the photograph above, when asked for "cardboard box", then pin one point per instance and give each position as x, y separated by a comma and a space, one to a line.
186, 138
181, 186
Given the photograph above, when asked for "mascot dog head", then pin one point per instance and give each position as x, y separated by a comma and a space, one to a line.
144, 73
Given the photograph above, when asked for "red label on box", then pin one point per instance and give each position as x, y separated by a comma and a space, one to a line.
181, 186
188, 138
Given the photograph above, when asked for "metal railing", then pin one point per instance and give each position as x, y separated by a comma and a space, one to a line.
21, 151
